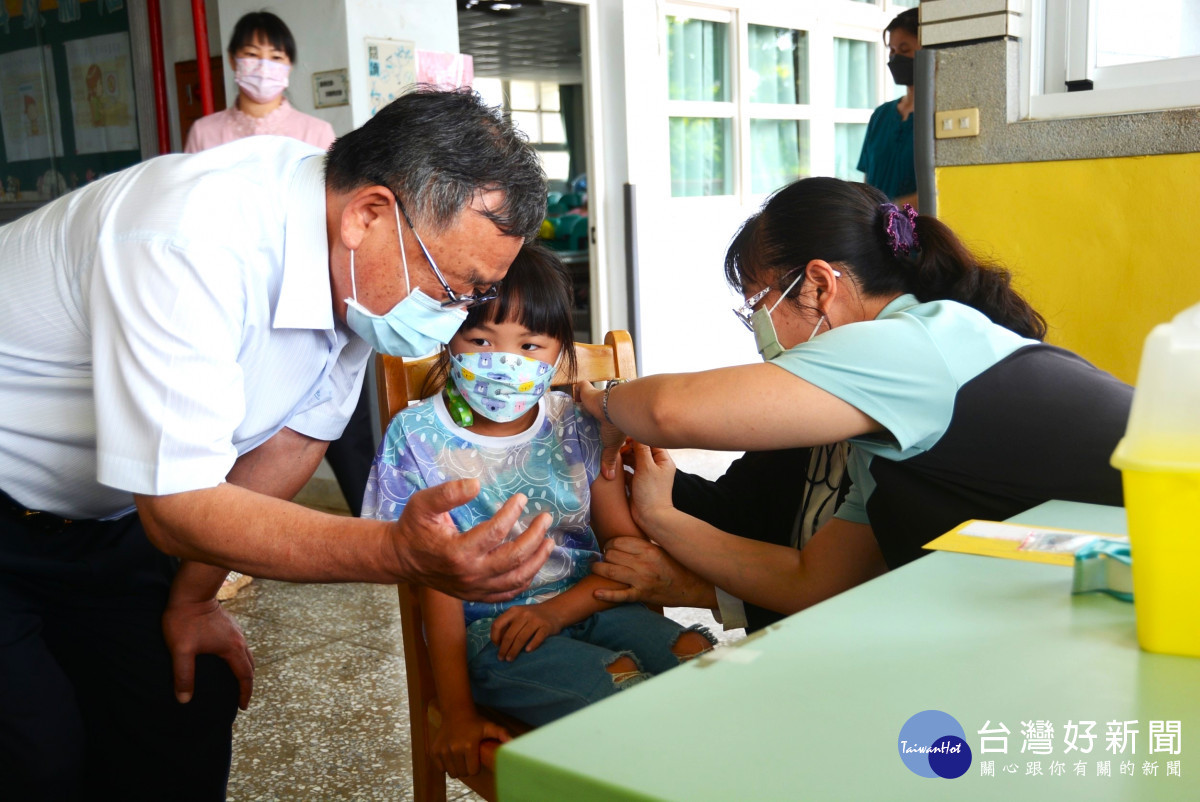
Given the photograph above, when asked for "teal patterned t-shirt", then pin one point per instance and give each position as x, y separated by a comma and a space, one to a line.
553, 463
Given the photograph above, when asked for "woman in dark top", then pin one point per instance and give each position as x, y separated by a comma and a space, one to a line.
887, 152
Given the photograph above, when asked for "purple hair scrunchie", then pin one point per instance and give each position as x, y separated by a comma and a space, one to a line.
901, 227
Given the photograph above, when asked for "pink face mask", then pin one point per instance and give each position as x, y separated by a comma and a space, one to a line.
262, 80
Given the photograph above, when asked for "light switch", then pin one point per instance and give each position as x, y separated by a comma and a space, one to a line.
956, 123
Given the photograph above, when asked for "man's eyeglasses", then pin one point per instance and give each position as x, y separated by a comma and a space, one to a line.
454, 300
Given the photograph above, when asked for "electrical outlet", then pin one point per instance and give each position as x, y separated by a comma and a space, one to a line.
956, 123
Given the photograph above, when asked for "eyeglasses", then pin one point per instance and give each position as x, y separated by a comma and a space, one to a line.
745, 312
454, 300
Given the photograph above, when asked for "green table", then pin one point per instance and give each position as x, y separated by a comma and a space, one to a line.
813, 708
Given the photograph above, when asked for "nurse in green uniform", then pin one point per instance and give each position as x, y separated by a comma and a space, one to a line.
887, 151
878, 327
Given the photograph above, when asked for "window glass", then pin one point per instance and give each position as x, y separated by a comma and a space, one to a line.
556, 163
697, 59
701, 162
527, 121
1150, 30
854, 74
552, 128
523, 94
778, 65
778, 153
847, 147
550, 98
491, 90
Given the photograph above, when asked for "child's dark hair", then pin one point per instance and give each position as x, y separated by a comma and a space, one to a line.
536, 293
845, 223
270, 26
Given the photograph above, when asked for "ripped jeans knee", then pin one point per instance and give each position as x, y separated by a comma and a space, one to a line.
693, 642
626, 670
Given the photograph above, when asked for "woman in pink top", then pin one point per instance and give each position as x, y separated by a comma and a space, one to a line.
261, 53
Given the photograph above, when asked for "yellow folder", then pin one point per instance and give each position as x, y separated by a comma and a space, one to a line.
1039, 544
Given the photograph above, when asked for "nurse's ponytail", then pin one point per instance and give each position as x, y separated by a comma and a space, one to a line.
887, 249
945, 269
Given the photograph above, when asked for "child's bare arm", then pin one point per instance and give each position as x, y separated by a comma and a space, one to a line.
456, 746
610, 508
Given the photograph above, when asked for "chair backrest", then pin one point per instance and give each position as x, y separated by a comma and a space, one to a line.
400, 382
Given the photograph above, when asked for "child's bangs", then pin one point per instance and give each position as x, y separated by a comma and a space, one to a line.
535, 294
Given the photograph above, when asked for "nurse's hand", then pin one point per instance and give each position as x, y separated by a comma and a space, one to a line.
650, 488
476, 565
611, 438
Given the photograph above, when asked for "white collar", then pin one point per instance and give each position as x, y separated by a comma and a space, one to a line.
509, 441
305, 295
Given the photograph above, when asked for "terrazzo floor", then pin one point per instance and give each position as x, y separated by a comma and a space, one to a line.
329, 716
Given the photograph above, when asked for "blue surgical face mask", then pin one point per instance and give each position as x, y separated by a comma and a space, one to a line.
416, 326
501, 386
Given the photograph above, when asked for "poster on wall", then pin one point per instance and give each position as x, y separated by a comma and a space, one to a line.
391, 68
445, 70
101, 77
28, 112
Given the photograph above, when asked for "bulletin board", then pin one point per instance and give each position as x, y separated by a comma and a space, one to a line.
391, 68
68, 114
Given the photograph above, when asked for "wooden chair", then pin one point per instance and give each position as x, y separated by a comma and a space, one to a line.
398, 383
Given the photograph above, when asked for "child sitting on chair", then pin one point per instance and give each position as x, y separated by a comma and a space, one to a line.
554, 648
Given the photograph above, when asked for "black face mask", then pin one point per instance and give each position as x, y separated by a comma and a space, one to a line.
902, 69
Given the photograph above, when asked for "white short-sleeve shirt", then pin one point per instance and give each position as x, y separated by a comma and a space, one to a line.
162, 321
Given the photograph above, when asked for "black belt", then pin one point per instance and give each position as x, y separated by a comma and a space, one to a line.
34, 519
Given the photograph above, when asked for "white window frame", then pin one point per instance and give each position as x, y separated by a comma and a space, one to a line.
1061, 47
535, 137
883, 84
713, 109
821, 25
748, 112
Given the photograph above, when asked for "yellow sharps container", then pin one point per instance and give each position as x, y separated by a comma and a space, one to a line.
1159, 459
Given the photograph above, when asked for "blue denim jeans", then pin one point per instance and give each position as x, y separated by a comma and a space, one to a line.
569, 670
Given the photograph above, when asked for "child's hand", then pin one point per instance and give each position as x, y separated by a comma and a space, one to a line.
523, 628
455, 748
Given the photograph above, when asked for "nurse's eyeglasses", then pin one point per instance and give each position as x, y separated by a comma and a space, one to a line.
454, 300
745, 312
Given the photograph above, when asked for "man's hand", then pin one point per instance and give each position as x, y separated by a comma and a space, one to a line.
523, 628
455, 748
653, 576
203, 627
472, 565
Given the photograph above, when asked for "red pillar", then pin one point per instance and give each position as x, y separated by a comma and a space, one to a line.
160, 78
200, 24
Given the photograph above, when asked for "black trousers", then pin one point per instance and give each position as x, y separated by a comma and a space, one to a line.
87, 703
351, 455
758, 497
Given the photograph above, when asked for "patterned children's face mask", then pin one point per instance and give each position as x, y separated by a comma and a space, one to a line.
499, 386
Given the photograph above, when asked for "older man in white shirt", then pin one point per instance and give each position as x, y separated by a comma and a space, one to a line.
178, 343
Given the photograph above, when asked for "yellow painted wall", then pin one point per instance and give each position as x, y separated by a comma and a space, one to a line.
1103, 248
